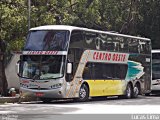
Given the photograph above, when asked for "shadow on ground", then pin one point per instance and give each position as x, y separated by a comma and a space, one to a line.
141, 100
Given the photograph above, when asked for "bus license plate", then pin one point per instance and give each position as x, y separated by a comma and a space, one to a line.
39, 94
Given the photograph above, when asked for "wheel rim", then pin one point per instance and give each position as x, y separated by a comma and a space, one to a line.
128, 92
82, 93
136, 90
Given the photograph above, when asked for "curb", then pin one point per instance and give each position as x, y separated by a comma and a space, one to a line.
16, 99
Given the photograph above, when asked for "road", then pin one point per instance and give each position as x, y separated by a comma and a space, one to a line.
112, 105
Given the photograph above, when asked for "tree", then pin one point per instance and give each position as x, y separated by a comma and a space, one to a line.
134, 17
3, 81
12, 27
149, 25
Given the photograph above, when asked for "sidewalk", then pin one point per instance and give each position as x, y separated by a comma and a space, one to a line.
16, 99
9, 99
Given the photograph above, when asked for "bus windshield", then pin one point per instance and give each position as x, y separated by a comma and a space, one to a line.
42, 67
155, 71
155, 66
47, 40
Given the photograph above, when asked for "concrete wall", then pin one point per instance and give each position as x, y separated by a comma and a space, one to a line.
11, 75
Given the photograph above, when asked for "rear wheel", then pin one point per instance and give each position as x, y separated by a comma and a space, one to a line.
136, 91
83, 93
129, 92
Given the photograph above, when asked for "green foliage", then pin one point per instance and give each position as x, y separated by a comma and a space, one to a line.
149, 24
135, 17
13, 21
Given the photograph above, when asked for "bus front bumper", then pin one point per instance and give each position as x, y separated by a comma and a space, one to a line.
53, 93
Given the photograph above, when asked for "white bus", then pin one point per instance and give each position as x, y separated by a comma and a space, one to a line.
61, 62
155, 71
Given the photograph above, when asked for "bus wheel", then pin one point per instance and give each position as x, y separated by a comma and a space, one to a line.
83, 93
136, 91
129, 92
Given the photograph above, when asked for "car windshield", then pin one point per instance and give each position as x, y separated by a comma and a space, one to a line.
38, 67
47, 40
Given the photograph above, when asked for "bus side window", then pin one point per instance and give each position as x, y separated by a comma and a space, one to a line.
71, 55
108, 71
87, 72
133, 46
148, 47
112, 43
76, 40
89, 40
74, 55
70, 59
125, 46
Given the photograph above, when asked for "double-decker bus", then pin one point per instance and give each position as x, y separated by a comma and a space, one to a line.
155, 88
61, 61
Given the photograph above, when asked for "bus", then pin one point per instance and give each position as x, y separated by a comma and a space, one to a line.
155, 88
63, 62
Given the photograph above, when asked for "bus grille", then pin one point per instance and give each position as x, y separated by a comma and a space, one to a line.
39, 88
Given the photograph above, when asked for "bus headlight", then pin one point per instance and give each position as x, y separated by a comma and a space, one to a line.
55, 86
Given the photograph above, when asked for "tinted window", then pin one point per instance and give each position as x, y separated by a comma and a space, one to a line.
156, 56
105, 71
133, 45
101, 41
123, 44
76, 40
47, 40
90, 40
155, 66
155, 71
74, 56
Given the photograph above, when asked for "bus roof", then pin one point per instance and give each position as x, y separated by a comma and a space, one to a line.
70, 28
156, 51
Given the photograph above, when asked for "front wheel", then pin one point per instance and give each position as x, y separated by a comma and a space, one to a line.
83, 93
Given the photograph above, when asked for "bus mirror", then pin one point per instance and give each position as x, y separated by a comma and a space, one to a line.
69, 68
17, 68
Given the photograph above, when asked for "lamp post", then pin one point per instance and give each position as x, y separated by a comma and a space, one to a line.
29, 14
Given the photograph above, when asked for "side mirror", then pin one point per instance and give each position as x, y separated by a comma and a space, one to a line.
17, 67
69, 68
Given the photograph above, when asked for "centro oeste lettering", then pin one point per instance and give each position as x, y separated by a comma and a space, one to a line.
119, 57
